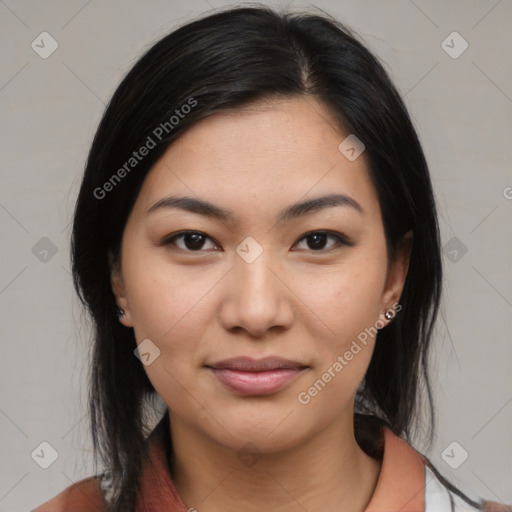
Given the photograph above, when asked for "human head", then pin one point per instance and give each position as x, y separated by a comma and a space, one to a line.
213, 61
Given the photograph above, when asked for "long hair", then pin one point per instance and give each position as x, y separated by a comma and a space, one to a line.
221, 62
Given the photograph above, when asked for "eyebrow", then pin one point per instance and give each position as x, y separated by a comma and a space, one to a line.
202, 207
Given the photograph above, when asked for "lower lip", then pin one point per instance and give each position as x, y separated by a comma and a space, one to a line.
255, 383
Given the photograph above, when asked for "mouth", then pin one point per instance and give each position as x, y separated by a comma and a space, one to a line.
247, 376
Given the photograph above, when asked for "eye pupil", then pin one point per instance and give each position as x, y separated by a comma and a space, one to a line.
319, 240
193, 241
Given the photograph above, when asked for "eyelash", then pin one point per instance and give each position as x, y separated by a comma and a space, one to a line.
341, 240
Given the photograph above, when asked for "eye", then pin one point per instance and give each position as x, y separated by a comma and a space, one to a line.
194, 241
317, 240
188, 241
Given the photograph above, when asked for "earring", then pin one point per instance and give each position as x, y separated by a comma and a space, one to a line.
120, 311
389, 314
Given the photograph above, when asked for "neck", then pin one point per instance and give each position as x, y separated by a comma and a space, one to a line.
327, 472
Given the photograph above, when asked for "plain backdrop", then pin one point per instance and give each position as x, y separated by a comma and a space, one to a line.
50, 107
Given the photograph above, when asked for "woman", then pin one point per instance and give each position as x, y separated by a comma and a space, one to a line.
258, 211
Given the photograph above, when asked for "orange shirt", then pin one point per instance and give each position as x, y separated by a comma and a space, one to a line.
405, 484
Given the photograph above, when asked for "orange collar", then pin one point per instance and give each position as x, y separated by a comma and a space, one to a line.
401, 483
400, 487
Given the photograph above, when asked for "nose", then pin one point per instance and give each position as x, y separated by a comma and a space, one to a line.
256, 298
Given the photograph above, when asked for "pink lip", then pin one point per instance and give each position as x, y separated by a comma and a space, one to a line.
256, 377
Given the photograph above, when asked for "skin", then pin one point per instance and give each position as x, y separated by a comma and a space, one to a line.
296, 300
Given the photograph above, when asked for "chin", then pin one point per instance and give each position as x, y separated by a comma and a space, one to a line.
247, 438
269, 429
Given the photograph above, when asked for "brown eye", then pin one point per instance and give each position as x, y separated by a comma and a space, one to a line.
317, 240
188, 241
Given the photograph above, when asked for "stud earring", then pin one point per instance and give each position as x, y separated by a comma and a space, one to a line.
389, 314
120, 311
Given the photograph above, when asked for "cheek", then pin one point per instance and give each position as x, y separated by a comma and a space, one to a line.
346, 300
167, 303
331, 390
172, 312
350, 309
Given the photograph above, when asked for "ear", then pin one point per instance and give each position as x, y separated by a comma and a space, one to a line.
118, 288
397, 272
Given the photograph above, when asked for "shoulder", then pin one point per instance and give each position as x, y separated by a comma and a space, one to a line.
431, 492
85, 495
439, 498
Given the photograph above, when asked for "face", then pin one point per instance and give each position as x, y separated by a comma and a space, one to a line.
260, 317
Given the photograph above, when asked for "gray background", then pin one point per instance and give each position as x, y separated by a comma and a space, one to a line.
50, 108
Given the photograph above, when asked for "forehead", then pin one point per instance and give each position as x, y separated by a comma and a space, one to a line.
262, 157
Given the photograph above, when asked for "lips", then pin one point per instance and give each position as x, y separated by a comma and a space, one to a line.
247, 376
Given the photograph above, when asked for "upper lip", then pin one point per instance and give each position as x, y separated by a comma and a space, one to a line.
246, 364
